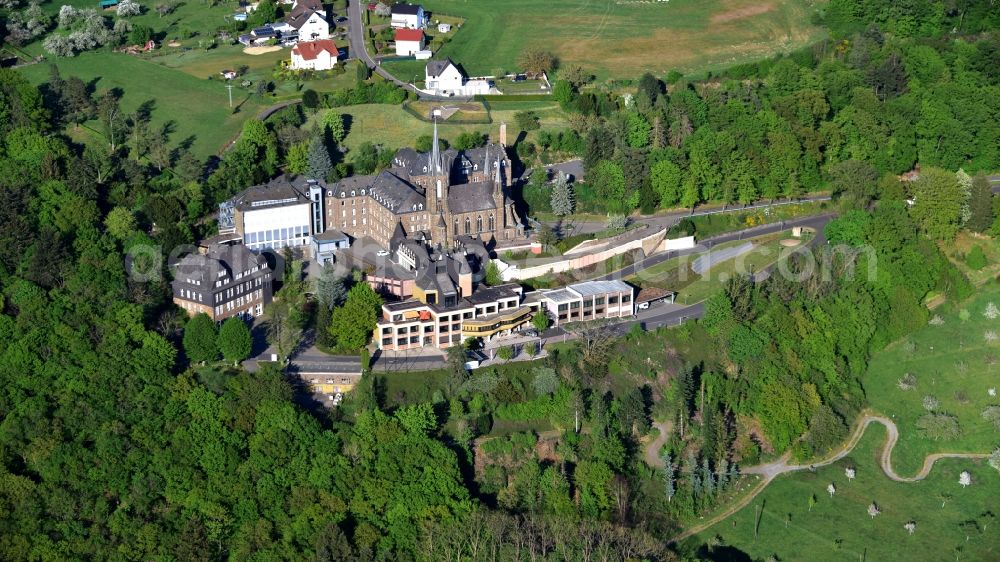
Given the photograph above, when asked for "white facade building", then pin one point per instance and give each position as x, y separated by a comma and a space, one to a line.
442, 77
409, 16
409, 42
315, 55
589, 300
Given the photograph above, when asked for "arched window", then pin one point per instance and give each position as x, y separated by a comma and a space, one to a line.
468, 225
479, 224
493, 225
456, 226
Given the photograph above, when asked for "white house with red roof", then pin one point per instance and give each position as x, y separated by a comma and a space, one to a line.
315, 55
409, 42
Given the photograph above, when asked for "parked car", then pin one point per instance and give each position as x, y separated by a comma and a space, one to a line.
530, 333
382, 253
643, 306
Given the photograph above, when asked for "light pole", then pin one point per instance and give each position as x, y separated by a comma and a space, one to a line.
230, 88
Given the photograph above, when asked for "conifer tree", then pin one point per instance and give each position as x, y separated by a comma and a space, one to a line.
319, 163
562, 196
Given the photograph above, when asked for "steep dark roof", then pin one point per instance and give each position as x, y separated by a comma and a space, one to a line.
352, 183
406, 9
218, 263
471, 197
437, 67
395, 193
300, 15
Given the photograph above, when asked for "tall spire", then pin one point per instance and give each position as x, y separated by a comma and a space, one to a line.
436, 165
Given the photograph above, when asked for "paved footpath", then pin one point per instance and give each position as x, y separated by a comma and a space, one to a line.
772, 470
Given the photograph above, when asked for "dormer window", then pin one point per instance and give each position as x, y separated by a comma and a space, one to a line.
353, 193
362, 192
420, 206
342, 194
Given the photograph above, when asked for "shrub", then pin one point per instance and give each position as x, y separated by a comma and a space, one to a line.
939, 427
976, 259
992, 415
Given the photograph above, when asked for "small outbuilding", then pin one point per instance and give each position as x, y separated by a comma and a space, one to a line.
325, 245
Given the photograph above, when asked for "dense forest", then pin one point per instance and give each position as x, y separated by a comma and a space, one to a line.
113, 446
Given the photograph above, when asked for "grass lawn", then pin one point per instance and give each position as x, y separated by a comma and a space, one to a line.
197, 108
963, 244
394, 128
766, 251
952, 362
624, 38
839, 528
675, 274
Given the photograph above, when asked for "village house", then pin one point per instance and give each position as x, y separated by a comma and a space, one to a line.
443, 78
409, 42
227, 280
410, 16
309, 23
315, 55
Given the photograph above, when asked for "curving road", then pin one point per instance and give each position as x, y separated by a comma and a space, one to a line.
772, 470
359, 50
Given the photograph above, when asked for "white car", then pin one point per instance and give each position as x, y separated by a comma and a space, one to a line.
382, 253
643, 306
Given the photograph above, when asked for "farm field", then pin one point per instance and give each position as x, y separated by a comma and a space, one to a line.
198, 108
393, 127
839, 528
624, 38
951, 362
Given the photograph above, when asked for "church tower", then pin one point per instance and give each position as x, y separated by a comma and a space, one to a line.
437, 190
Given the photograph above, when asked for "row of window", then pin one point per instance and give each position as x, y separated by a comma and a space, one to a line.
479, 225
237, 290
239, 302
276, 235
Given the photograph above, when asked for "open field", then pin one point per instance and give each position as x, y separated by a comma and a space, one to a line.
839, 528
198, 108
676, 274
952, 362
624, 38
393, 127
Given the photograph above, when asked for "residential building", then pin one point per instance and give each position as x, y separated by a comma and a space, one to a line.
410, 16
443, 78
315, 55
409, 41
589, 300
309, 22
227, 280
